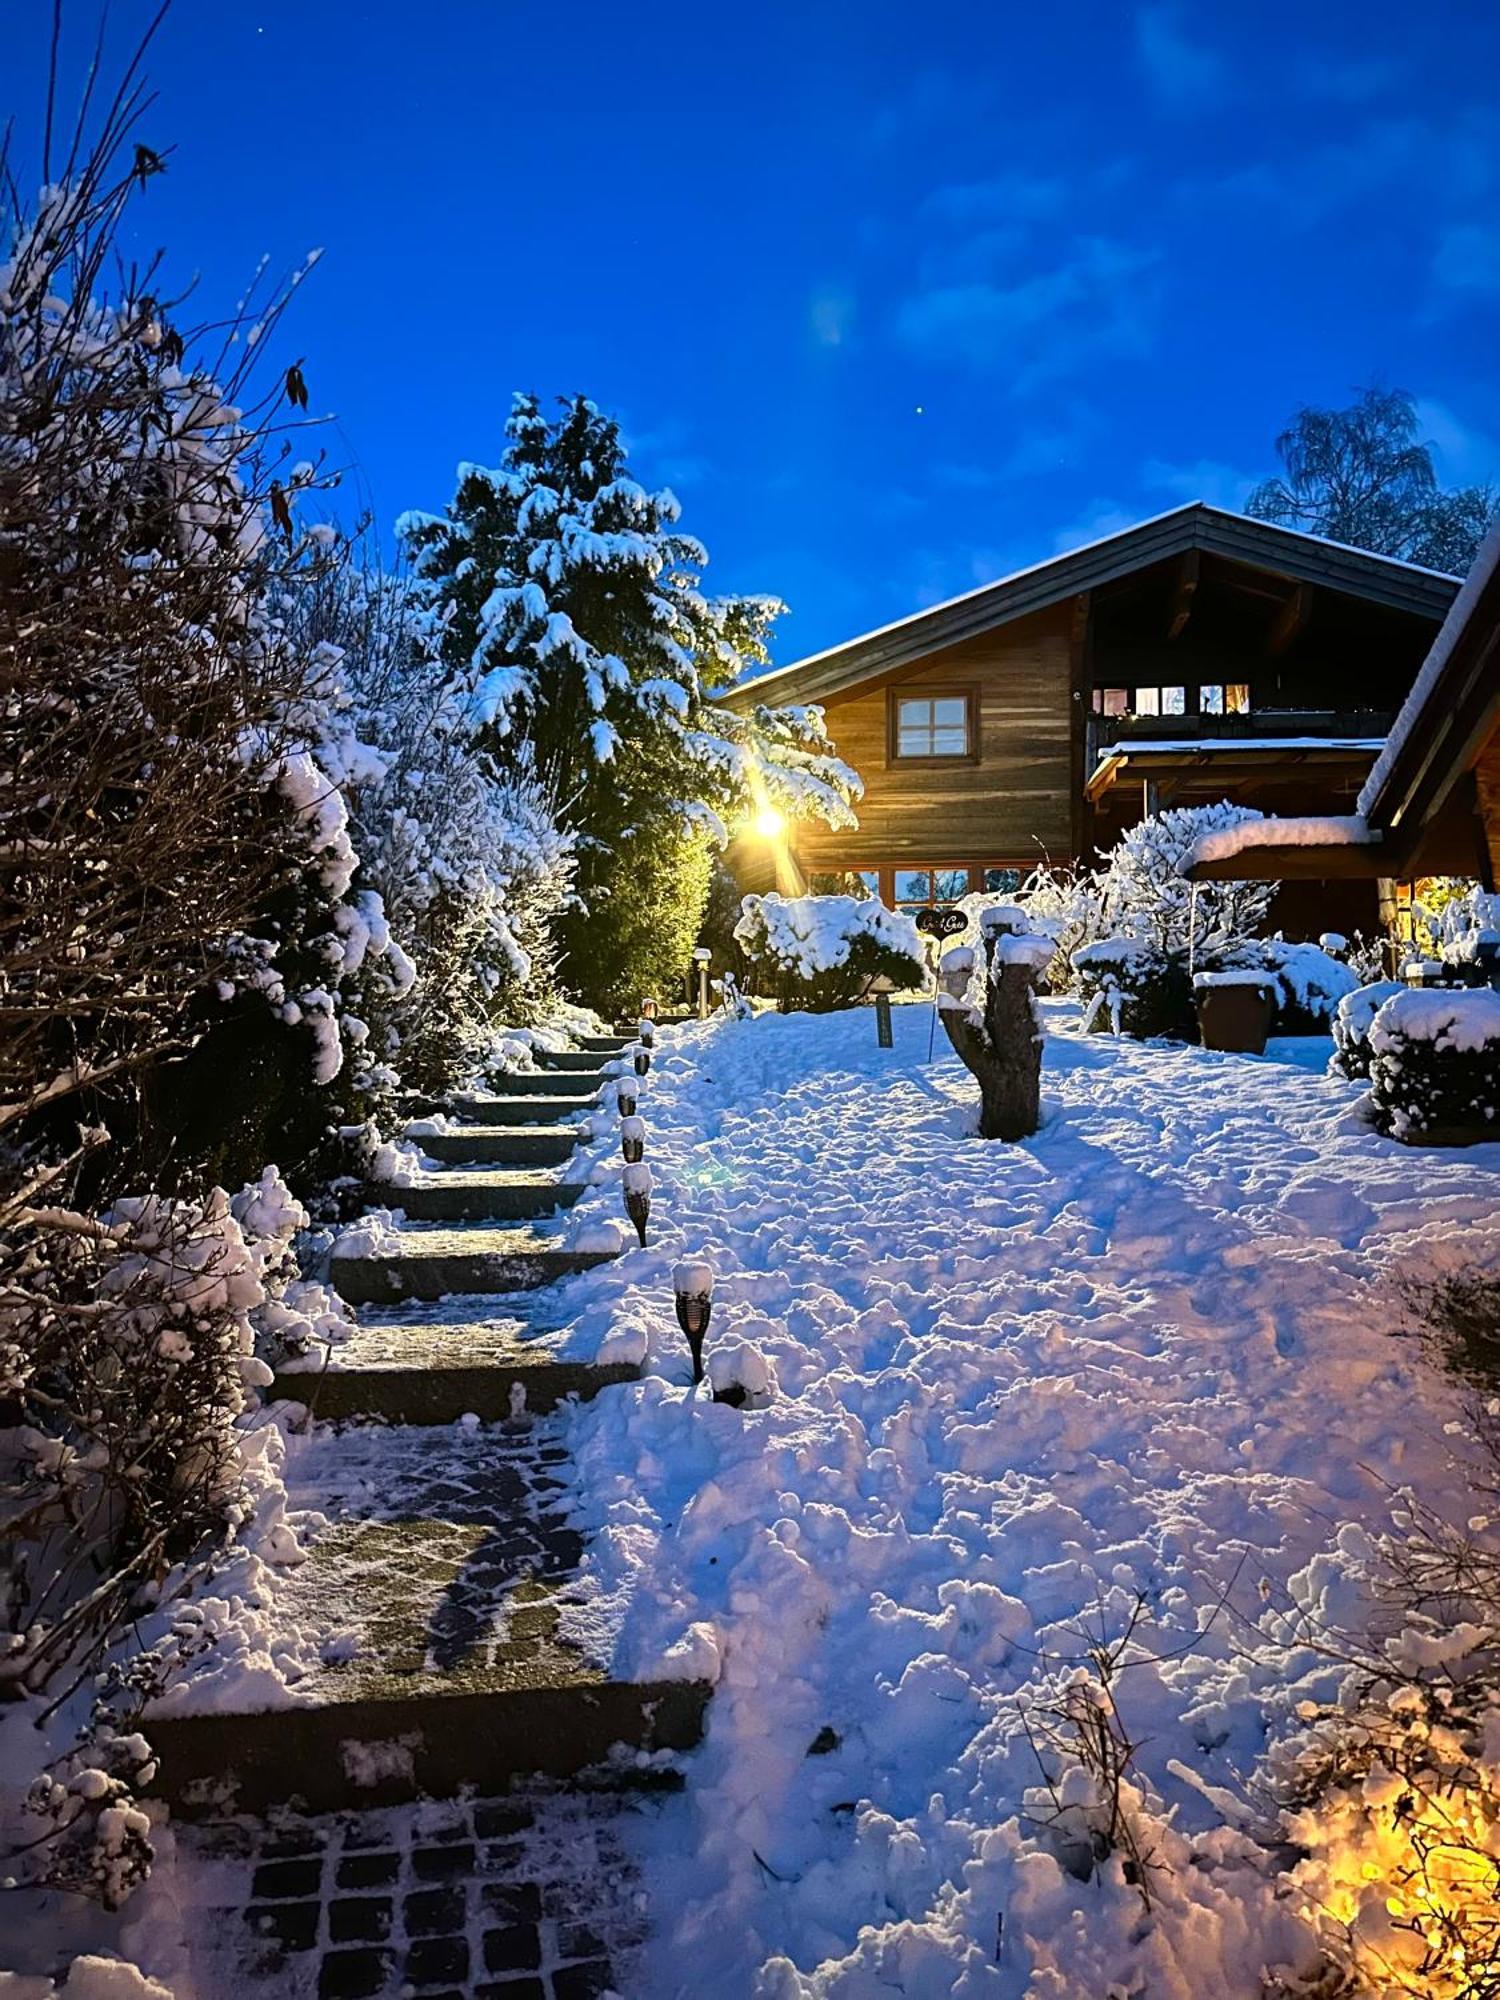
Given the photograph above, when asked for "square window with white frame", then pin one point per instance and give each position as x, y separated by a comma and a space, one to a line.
932, 725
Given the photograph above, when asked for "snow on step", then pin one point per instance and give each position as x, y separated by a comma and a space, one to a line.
429, 1263
472, 1194
424, 1636
502, 1145
431, 1364
562, 1060
582, 1084
526, 1110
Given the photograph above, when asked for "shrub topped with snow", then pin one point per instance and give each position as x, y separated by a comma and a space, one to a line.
1435, 1065
822, 952
1130, 987
1309, 983
1351, 1023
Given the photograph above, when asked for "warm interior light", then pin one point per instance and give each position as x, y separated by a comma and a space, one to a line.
769, 823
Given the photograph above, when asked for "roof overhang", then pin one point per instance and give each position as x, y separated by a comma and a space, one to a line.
1225, 759
1256, 544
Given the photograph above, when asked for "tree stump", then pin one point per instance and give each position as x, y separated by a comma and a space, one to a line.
1003, 1044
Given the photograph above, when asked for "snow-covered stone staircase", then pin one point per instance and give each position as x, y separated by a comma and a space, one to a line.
431, 1619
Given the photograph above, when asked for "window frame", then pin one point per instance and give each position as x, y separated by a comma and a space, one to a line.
886, 872
894, 698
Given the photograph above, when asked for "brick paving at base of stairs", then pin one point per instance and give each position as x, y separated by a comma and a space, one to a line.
529, 1897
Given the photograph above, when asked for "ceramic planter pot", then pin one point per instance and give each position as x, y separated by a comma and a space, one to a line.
1235, 1018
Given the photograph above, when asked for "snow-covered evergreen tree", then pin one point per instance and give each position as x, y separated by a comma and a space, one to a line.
573, 622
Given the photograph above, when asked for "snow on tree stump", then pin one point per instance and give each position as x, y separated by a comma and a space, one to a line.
986, 999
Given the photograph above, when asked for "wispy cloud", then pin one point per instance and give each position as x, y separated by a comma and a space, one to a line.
1182, 73
1467, 259
1038, 323
1341, 80
1466, 455
1199, 479
1098, 519
831, 315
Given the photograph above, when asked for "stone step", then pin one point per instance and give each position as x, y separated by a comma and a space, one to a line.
434, 1364
605, 1044
430, 1617
501, 1145
429, 1263
530, 1107
469, 1194
560, 1060
583, 1084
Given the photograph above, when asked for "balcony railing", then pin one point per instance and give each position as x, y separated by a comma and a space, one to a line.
1359, 724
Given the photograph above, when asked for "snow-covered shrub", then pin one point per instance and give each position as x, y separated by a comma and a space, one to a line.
1143, 890
571, 615
1351, 1023
1435, 1065
1309, 982
468, 861
163, 789
1129, 987
822, 952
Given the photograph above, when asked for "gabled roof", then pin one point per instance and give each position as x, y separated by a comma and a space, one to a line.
1260, 544
1451, 712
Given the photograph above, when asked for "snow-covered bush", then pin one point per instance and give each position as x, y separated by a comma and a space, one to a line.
1143, 891
822, 952
1309, 982
468, 861
1352, 1019
986, 1002
1130, 987
1435, 1065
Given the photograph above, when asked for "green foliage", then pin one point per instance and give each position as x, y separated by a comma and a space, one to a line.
1363, 476
635, 940
1131, 988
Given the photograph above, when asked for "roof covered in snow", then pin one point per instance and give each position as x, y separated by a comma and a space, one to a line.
1213, 530
1460, 653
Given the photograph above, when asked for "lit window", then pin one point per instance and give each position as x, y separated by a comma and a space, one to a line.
861, 882
1148, 701
1174, 701
1001, 881
1236, 698
1211, 700
932, 726
1116, 701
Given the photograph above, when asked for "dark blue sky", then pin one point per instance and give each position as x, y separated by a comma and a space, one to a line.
895, 296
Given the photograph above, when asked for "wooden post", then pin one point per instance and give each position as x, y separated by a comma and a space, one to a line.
884, 1039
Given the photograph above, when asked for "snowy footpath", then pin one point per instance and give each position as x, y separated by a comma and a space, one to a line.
1140, 1367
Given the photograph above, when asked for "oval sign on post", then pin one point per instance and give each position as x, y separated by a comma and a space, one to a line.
941, 923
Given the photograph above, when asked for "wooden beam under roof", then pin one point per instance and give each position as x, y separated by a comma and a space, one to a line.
1290, 620
1182, 594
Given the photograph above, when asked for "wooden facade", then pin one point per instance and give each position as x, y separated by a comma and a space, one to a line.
1199, 656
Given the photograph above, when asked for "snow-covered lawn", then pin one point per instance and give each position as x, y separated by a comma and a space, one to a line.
1148, 1352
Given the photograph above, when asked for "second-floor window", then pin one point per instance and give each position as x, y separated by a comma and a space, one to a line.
933, 725
1228, 698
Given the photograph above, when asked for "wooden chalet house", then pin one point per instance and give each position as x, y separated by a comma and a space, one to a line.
1431, 804
1195, 657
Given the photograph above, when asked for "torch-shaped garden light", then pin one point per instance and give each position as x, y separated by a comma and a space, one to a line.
638, 1197
625, 1097
642, 1061
633, 1139
648, 1010
693, 1285
701, 959
645, 1029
